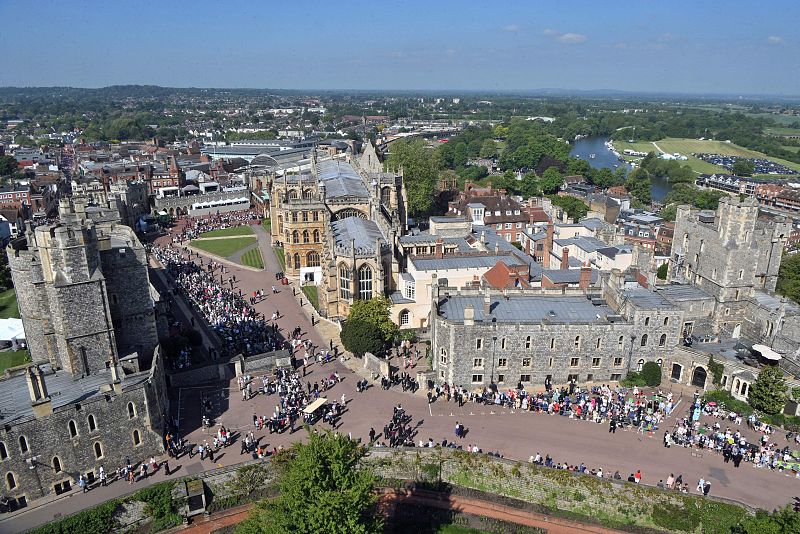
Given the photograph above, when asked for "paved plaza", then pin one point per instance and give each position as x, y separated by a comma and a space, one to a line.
517, 435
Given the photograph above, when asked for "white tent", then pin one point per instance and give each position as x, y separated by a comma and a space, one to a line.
12, 330
766, 352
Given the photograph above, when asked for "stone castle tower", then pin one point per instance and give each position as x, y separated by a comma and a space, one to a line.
84, 295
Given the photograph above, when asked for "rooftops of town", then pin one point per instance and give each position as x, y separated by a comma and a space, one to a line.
532, 308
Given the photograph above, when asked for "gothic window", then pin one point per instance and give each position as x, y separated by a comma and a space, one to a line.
137, 438
365, 282
349, 212
92, 423
316, 236
11, 482
98, 450
3, 451
344, 282
297, 261
307, 194
56, 464
639, 365
295, 237
131, 410
647, 321
644, 340
662, 340
292, 194
73, 429
305, 236
386, 196
312, 259
23, 444
666, 321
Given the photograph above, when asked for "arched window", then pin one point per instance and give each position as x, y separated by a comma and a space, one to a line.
137, 438
3, 451
98, 450
365, 282
295, 237
660, 362
666, 321
296, 260
73, 428
344, 282
292, 194
92, 423
11, 482
577, 342
23, 444
644, 340
305, 236
662, 340
280, 223
56, 464
294, 216
307, 194
312, 259
131, 410
647, 321
305, 216
621, 341
386, 196
639, 365
405, 317
316, 236
349, 212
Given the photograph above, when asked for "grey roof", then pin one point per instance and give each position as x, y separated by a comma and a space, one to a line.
771, 302
682, 293
568, 276
573, 262
611, 252
341, 180
557, 309
397, 298
589, 244
442, 219
462, 262
64, 389
644, 298
362, 231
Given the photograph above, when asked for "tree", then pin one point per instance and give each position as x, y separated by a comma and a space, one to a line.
789, 277
8, 165
377, 311
322, 489
359, 337
551, 181
638, 185
743, 167
781, 521
576, 209
488, 149
768, 392
460, 155
663, 269
651, 373
420, 173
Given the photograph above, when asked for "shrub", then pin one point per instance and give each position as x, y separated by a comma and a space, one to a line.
723, 397
651, 374
360, 337
99, 519
157, 500
661, 273
633, 379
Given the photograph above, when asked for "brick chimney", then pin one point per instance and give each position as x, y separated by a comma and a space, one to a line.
586, 276
439, 248
469, 315
548, 245
565, 258
487, 305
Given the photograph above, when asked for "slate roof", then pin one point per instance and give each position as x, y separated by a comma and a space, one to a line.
568, 276
341, 180
362, 231
557, 309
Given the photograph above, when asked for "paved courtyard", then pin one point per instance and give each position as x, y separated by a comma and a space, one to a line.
516, 435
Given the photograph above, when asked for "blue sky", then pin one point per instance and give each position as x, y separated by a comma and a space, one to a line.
725, 46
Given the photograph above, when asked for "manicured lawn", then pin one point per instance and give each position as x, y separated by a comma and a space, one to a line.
311, 294
252, 258
279, 254
266, 224
12, 359
782, 131
8, 304
227, 232
223, 247
456, 529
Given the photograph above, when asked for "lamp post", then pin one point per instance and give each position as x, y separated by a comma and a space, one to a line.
630, 352
491, 377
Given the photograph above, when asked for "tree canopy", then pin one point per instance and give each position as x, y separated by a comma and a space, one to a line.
359, 337
376, 311
768, 393
743, 167
576, 209
420, 174
322, 489
789, 277
551, 181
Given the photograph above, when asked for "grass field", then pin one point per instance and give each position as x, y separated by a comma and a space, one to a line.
458, 529
229, 232
266, 224
697, 165
279, 255
252, 258
12, 359
311, 294
8, 304
792, 148
223, 247
780, 119
782, 131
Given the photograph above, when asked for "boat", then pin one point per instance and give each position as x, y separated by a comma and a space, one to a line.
592, 155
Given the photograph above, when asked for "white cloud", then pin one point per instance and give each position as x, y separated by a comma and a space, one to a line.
775, 40
512, 28
572, 38
550, 31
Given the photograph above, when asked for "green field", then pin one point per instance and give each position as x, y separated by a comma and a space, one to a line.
776, 117
252, 258
223, 247
12, 359
228, 232
781, 131
266, 224
791, 148
279, 254
311, 294
8, 304
457, 529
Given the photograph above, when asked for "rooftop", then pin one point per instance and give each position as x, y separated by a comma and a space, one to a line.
355, 229
341, 179
556, 309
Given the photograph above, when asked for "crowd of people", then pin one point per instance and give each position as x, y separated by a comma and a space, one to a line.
195, 227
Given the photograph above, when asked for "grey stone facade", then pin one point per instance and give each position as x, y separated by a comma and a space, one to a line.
94, 393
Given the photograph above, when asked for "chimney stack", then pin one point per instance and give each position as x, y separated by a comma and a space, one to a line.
565, 258
40, 401
439, 248
487, 305
548, 245
469, 315
586, 276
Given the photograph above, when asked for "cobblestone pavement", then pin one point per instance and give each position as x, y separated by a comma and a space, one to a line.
516, 435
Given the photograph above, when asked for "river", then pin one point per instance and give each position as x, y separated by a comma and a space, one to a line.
583, 148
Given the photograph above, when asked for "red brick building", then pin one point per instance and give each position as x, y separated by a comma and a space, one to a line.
493, 208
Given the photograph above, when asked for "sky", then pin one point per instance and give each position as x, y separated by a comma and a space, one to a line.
690, 46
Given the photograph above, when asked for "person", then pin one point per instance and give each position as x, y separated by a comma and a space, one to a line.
371, 435
638, 476
612, 426
670, 481
82, 483
143, 471
166, 467
102, 475
458, 430
701, 484
706, 488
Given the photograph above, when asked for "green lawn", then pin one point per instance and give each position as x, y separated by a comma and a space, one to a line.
782, 131
252, 258
8, 304
279, 254
227, 232
12, 359
223, 247
311, 293
457, 529
266, 224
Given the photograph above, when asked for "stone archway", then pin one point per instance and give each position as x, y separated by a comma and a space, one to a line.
699, 377
677, 371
